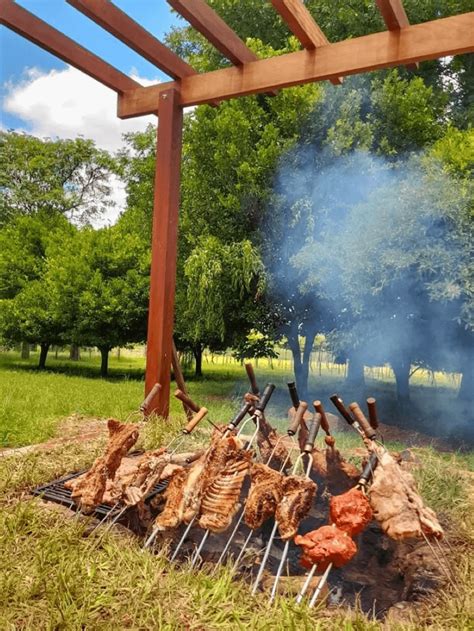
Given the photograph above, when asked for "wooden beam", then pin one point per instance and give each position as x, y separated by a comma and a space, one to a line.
395, 18
164, 250
215, 30
121, 26
32, 28
448, 36
301, 23
393, 13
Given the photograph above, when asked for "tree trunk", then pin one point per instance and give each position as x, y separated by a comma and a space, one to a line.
104, 360
401, 369
355, 374
25, 350
307, 349
466, 389
43, 354
74, 352
197, 352
294, 345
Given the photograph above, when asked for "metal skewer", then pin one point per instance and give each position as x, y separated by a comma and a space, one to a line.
307, 450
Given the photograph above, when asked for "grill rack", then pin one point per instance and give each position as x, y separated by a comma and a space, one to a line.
55, 491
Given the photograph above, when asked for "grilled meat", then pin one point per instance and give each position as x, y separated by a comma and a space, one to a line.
326, 545
350, 511
266, 491
171, 515
88, 490
340, 475
396, 503
298, 495
149, 471
267, 440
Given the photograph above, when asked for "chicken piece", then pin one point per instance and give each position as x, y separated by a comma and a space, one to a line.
326, 545
266, 491
350, 511
396, 503
298, 495
89, 489
220, 500
171, 515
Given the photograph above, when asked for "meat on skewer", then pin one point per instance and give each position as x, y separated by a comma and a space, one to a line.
396, 503
324, 546
266, 491
297, 498
88, 490
350, 511
340, 475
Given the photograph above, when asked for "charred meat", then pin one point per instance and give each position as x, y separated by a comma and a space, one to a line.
297, 498
266, 491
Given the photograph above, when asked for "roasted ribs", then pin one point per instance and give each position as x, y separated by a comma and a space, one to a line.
266, 492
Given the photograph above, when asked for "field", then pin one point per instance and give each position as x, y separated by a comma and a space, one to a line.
54, 576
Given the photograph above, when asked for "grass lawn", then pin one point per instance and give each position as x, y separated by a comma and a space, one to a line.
54, 576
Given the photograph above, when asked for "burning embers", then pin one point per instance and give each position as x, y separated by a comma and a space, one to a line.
232, 490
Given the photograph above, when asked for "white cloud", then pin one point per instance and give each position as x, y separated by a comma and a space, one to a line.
66, 104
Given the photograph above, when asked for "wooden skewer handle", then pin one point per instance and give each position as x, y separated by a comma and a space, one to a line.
197, 418
149, 397
361, 419
241, 414
294, 394
339, 404
297, 418
374, 421
265, 398
312, 433
318, 406
252, 378
369, 468
179, 394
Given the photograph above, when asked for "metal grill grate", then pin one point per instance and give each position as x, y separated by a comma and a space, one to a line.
55, 491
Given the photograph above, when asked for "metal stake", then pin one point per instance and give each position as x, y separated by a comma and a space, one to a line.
320, 586
307, 582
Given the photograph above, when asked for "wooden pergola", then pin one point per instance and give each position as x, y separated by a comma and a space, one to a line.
400, 44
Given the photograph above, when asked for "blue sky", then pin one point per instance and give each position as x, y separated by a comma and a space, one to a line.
17, 54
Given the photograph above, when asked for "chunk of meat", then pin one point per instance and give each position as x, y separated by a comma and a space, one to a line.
149, 471
89, 489
298, 495
340, 475
272, 448
326, 545
171, 515
396, 503
350, 511
266, 491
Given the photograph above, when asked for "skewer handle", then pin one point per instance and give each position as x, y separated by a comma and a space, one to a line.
241, 414
197, 418
297, 418
339, 404
179, 394
252, 378
312, 433
294, 394
149, 398
363, 422
318, 406
368, 470
374, 421
265, 398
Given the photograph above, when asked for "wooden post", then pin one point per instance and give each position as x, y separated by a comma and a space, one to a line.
164, 250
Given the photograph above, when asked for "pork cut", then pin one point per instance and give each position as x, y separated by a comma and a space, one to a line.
266, 492
350, 511
396, 503
326, 545
340, 474
297, 497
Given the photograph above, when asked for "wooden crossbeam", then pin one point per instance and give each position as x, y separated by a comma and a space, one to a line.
205, 20
121, 26
448, 36
301, 23
32, 28
395, 18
